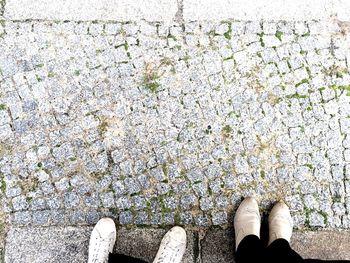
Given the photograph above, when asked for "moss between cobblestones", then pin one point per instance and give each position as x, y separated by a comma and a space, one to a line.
262, 174
102, 128
342, 88
345, 88
336, 199
150, 83
261, 39
226, 131
279, 35
297, 96
310, 166
51, 74
325, 217
2, 27
29, 185
165, 169
3, 183
151, 77
2, 6
154, 72
303, 81
2, 237
39, 66
228, 34
5, 149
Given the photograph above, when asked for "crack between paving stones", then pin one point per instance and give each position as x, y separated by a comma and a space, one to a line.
179, 16
2, 9
197, 251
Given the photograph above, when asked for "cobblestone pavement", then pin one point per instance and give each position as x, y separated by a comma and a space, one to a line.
158, 124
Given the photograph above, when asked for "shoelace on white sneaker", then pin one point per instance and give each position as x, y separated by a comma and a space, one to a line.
101, 250
170, 253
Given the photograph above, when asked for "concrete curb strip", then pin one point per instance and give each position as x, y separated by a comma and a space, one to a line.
88, 10
169, 10
69, 244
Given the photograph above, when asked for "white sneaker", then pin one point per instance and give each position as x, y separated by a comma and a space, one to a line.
102, 241
247, 220
280, 223
173, 246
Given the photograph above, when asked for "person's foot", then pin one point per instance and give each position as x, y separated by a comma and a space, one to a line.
280, 223
247, 220
172, 247
102, 241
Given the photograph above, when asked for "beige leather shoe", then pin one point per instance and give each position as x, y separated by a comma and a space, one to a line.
247, 219
280, 223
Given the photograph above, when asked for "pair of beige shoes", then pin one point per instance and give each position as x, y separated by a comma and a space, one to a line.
247, 221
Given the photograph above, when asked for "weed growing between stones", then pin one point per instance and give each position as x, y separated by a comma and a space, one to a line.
261, 39
228, 34
345, 88
226, 131
153, 73
279, 35
341, 88
2, 237
2, 28
150, 78
3, 183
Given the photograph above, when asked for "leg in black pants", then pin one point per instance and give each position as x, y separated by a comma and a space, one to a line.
280, 251
119, 258
251, 250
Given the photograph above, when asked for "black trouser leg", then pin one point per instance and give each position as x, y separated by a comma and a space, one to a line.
119, 258
249, 250
280, 251
325, 261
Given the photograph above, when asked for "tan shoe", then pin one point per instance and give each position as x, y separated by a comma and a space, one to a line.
280, 223
247, 220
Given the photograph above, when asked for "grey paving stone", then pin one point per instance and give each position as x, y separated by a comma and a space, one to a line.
286, 11
47, 245
327, 245
75, 10
217, 246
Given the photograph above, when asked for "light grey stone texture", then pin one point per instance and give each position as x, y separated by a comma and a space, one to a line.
157, 123
47, 245
252, 10
91, 10
70, 244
